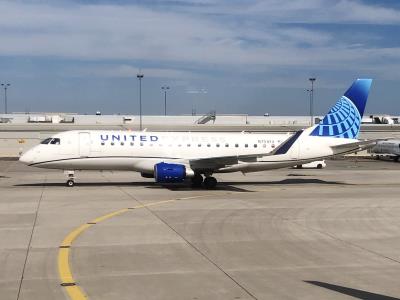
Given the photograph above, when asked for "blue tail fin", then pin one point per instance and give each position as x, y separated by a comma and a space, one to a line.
344, 119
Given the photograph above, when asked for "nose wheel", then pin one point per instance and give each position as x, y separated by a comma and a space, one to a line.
71, 178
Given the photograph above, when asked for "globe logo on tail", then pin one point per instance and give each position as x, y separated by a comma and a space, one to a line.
343, 121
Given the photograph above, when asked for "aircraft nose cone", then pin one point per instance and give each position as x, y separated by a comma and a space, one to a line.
26, 158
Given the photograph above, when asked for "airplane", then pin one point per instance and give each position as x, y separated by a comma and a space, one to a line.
388, 148
172, 157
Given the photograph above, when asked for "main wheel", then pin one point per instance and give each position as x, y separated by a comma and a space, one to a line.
70, 183
197, 180
319, 166
210, 182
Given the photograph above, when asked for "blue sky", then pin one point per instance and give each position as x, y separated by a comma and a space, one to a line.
234, 56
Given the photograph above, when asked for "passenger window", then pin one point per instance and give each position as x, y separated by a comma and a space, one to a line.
132, 144
218, 145
255, 145
188, 145
55, 141
199, 145
236, 145
246, 145
208, 145
122, 143
226, 145
112, 143
102, 143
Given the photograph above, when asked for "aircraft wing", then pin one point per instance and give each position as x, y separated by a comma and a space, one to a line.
356, 146
212, 163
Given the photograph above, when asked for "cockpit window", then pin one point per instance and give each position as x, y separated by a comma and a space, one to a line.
52, 141
55, 141
46, 141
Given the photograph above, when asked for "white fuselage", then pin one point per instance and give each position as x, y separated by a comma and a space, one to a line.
140, 151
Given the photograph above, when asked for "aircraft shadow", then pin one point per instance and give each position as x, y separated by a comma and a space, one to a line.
360, 294
224, 183
149, 185
287, 181
220, 187
232, 186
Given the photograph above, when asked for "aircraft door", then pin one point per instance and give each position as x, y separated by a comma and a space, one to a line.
84, 144
69, 144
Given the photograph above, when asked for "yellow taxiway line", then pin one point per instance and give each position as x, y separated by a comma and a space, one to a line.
68, 282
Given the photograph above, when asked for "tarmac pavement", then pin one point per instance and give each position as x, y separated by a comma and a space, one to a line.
287, 234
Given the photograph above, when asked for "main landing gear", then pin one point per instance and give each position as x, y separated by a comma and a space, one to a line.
197, 180
209, 182
71, 178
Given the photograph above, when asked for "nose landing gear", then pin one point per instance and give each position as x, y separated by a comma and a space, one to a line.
71, 178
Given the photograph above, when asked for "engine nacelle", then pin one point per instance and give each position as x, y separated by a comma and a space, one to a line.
168, 173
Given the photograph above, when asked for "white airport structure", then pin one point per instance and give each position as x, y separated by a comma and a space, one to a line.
17, 119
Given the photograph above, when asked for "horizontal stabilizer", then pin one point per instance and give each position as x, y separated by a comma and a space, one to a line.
354, 147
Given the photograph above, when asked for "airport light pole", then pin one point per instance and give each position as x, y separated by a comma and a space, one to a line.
309, 96
5, 85
312, 79
140, 76
165, 88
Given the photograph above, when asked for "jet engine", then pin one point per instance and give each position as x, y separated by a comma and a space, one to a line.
169, 173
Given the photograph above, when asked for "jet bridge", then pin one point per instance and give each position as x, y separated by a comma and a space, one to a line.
211, 116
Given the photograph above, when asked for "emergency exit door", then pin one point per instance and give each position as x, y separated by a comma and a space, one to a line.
84, 144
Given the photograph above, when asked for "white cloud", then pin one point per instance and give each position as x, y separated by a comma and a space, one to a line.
192, 36
322, 11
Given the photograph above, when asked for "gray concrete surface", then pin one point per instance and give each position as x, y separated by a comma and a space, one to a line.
287, 234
